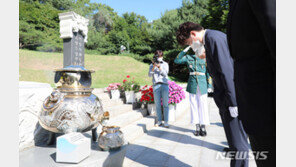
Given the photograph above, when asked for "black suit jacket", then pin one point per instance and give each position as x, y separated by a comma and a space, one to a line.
251, 29
251, 32
220, 67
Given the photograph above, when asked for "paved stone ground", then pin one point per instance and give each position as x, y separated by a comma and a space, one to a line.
178, 147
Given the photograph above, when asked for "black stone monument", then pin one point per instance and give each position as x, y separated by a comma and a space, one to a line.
74, 50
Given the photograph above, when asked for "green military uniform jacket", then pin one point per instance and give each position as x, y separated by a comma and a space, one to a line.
195, 64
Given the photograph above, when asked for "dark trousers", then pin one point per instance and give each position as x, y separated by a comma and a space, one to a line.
236, 138
255, 83
255, 87
264, 145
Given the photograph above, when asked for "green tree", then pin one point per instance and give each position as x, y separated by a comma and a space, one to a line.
58, 4
103, 19
39, 27
193, 10
217, 17
29, 37
131, 29
163, 31
84, 8
117, 38
98, 41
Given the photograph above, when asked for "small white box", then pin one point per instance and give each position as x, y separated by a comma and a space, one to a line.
72, 148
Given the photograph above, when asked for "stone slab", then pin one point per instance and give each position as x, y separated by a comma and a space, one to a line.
44, 156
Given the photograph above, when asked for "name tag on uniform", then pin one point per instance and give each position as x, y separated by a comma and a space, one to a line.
190, 66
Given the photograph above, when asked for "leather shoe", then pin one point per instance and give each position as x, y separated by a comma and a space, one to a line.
196, 133
203, 132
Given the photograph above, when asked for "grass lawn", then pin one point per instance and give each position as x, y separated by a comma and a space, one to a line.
38, 67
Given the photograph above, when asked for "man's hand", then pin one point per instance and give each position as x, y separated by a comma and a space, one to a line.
186, 49
233, 111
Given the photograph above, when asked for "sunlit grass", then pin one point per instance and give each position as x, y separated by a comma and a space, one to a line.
39, 66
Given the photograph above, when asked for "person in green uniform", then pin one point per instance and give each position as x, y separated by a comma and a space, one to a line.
199, 83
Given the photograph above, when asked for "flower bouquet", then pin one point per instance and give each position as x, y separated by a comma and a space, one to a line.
176, 95
130, 87
113, 89
148, 98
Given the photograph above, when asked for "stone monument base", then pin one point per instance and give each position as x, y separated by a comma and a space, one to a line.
45, 156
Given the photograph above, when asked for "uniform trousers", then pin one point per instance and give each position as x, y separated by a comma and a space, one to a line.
199, 108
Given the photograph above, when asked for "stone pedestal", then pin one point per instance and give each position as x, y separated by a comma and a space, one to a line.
46, 157
31, 97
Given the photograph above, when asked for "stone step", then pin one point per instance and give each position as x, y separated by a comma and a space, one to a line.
138, 128
103, 96
134, 123
98, 90
117, 110
111, 102
127, 118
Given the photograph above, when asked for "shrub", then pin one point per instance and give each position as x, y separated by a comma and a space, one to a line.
133, 55
175, 70
142, 49
148, 58
50, 47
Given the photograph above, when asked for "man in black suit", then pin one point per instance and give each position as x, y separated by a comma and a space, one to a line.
220, 68
252, 42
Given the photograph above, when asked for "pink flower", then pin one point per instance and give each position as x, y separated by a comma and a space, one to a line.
113, 86
176, 93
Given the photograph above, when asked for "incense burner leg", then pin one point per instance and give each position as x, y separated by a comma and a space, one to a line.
94, 134
51, 139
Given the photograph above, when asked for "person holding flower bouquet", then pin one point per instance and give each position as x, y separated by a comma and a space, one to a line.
198, 86
159, 70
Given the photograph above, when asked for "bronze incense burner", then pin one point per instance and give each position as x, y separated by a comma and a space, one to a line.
72, 107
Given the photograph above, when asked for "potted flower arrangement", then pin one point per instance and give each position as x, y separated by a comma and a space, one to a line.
113, 89
176, 95
148, 98
130, 87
